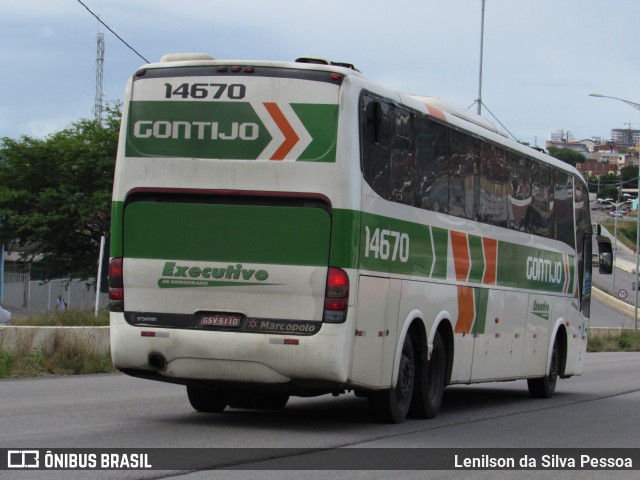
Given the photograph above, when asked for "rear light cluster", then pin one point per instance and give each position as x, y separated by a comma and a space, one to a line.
116, 286
336, 298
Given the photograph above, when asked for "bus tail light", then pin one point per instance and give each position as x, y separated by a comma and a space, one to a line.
336, 297
116, 286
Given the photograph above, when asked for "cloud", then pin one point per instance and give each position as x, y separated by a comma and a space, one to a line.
47, 32
40, 128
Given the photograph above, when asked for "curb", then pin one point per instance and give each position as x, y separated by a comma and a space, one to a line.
613, 302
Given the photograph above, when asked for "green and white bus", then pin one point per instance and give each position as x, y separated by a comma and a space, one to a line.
291, 228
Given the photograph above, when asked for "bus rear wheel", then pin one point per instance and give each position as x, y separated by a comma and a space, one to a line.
392, 405
430, 382
207, 400
545, 387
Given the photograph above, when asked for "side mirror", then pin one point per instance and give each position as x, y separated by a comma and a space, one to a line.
606, 255
606, 263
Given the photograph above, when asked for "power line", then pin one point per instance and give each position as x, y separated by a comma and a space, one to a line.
117, 36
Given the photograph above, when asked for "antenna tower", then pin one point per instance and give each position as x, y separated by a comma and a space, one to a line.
97, 109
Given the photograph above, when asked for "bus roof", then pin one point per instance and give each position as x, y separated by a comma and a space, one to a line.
305, 62
454, 114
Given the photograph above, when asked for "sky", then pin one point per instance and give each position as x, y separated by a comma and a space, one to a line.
541, 57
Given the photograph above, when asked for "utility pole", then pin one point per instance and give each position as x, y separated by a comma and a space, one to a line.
97, 109
481, 54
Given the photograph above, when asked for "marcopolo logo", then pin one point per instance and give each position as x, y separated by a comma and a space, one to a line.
275, 326
175, 275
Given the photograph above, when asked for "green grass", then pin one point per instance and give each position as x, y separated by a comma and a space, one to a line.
69, 358
625, 342
626, 231
69, 318
70, 355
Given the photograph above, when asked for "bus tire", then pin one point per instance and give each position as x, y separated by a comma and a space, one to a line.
207, 400
392, 405
241, 400
430, 382
545, 387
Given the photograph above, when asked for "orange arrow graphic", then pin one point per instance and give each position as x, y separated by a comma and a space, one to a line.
290, 136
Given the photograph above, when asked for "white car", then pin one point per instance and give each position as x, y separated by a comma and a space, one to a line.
5, 317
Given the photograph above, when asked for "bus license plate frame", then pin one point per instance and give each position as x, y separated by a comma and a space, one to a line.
220, 320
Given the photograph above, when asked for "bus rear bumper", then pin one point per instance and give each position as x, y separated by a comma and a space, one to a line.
220, 356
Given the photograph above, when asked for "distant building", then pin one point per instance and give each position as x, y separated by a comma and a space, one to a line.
594, 168
607, 146
605, 153
625, 137
573, 145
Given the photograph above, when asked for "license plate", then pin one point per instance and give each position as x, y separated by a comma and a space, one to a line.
220, 320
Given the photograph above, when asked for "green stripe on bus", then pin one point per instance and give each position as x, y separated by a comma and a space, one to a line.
229, 130
227, 233
345, 238
321, 121
225, 130
441, 247
309, 236
482, 301
395, 246
520, 266
115, 242
477, 259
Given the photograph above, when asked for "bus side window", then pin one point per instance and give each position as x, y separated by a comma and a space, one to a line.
494, 186
464, 175
376, 137
431, 165
563, 212
520, 199
542, 205
402, 159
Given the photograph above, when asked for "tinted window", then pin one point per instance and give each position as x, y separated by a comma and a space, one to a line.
410, 158
402, 158
542, 195
519, 208
464, 179
494, 185
563, 208
432, 165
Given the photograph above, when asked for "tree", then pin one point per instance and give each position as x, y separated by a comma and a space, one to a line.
55, 195
567, 155
629, 173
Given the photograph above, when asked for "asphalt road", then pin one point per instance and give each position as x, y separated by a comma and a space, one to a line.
596, 410
604, 315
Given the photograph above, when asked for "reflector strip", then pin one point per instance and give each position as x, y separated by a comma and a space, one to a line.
145, 333
284, 341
